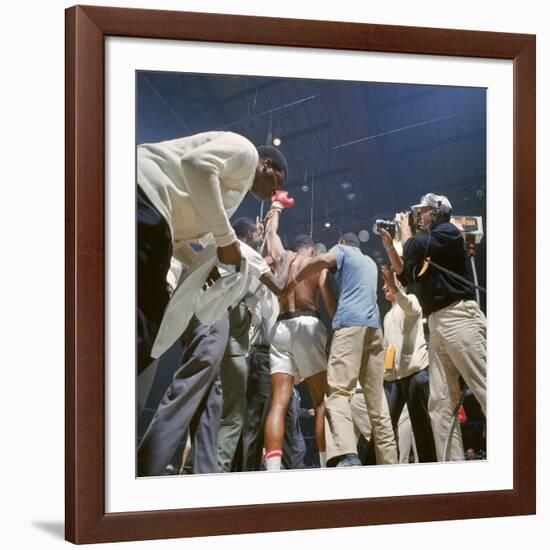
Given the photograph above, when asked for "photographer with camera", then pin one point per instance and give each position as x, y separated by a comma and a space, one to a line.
435, 258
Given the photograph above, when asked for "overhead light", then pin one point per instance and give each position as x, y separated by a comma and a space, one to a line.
328, 225
345, 185
364, 235
350, 196
277, 141
305, 188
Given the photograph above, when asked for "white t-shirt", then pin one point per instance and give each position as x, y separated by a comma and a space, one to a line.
197, 183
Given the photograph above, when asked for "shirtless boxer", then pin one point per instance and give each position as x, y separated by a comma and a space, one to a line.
298, 341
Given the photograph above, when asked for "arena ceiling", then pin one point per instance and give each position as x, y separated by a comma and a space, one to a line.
357, 151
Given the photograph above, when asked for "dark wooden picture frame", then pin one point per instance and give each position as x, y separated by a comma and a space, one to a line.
86, 30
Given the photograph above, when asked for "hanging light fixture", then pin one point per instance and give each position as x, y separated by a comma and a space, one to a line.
364, 235
277, 141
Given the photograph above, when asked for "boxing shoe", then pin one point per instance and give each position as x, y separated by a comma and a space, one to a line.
281, 200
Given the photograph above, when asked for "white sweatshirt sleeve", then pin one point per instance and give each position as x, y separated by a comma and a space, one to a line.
229, 156
408, 303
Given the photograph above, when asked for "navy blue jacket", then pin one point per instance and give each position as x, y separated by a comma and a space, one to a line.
445, 246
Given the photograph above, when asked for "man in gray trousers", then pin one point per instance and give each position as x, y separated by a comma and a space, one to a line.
193, 389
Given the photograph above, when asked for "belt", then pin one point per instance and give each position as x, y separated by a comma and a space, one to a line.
298, 313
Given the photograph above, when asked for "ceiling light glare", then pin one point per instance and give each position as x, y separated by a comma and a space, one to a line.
364, 235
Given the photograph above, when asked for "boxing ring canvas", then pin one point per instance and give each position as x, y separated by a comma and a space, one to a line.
281, 76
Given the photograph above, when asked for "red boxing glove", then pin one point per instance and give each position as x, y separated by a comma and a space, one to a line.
281, 200
462, 416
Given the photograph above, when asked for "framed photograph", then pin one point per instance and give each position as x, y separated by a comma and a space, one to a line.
355, 123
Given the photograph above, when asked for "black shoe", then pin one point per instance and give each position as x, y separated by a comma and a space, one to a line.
351, 459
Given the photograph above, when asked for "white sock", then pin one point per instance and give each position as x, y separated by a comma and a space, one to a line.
273, 459
323, 459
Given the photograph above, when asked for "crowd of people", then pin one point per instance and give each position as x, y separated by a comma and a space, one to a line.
246, 312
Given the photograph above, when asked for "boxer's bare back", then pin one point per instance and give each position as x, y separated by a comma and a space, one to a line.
306, 294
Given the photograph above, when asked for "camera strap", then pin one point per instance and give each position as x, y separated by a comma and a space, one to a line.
450, 273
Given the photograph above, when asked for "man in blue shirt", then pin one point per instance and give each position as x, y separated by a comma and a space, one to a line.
357, 353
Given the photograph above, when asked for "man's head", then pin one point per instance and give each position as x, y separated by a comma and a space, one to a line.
432, 210
303, 244
350, 239
247, 231
271, 172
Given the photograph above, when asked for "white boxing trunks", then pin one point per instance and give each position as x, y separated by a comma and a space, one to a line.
298, 344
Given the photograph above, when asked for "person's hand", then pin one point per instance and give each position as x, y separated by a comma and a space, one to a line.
311, 412
402, 222
389, 278
230, 254
259, 227
387, 240
290, 286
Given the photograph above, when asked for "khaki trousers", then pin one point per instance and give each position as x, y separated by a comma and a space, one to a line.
357, 353
457, 347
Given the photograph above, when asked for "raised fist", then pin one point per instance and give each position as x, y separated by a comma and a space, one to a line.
281, 200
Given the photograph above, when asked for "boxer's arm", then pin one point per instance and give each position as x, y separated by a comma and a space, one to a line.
311, 267
274, 245
315, 265
277, 282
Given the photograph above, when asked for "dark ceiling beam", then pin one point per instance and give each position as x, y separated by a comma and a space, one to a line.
404, 100
355, 214
305, 131
353, 119
318, 177
214, 102
250, 92
436, 144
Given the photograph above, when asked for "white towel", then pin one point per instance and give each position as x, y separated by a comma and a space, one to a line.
190, 299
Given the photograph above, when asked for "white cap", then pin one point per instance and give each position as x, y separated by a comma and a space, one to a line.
441, 202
